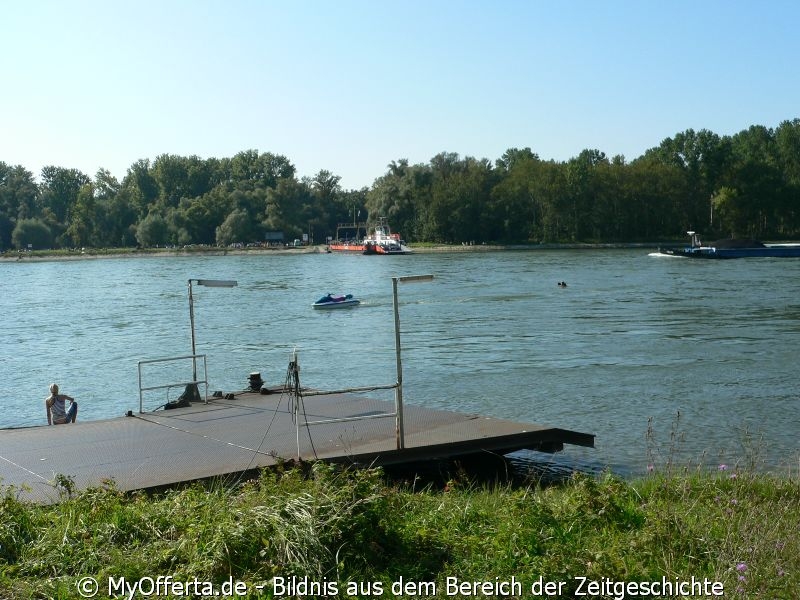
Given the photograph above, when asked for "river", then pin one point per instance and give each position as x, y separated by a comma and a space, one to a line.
663, 359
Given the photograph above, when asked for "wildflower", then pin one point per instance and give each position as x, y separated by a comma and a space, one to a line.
741, 567
723, 467
650, 468
734, 476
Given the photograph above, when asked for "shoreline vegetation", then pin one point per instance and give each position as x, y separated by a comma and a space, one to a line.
320, 531
741, 185
90, 253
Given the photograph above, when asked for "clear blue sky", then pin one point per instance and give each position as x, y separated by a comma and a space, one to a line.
350, 86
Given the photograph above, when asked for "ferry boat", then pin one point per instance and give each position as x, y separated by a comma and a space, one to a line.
731, 248
380, 241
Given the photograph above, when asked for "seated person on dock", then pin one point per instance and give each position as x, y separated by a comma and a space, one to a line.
57, 413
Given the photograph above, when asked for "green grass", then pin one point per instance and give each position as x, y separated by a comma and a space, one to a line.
329, 525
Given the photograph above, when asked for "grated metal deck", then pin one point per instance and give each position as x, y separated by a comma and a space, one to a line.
228, 436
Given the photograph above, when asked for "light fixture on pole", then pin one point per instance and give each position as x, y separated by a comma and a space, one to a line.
398, 392
225, 283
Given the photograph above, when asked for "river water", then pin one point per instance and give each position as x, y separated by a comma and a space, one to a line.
663, 359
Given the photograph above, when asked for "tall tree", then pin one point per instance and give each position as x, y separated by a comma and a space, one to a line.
402, 196
59, 190
512, 156
583, 194
171, 173
787, 140
18, 198
288, 207
153, 230
703, 158
140, 187
106, 186
517, 210
117, 221
33, 233
266, 168
84, 217
237, 227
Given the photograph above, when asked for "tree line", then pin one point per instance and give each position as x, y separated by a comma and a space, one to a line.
744, 185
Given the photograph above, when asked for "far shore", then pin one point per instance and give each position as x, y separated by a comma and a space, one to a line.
92, 253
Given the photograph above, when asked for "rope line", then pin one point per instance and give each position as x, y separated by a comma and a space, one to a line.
202, 435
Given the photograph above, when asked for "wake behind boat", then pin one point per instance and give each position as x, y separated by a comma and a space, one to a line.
328, 301
731, 248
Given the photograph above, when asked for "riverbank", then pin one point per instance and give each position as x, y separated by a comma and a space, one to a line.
354, 534
95, 253
87, 254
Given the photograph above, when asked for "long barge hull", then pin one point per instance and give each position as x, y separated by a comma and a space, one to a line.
725, 253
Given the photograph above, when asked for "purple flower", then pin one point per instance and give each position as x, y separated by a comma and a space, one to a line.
733, 476
650, 468
741, 567
723, 467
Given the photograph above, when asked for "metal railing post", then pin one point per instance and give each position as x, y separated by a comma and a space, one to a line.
193, 382
398, 392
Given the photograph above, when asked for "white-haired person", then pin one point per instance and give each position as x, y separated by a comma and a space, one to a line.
57, 412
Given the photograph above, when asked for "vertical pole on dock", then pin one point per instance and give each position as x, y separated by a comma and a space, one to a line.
191, 325
398, 392
225, 283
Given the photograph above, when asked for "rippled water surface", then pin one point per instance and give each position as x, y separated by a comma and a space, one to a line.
706, 349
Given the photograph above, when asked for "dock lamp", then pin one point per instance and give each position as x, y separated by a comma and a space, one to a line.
223, 283
398, 393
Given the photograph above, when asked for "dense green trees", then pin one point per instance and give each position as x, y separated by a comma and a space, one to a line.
747, 184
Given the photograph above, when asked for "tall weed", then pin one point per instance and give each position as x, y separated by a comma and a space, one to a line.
729, 524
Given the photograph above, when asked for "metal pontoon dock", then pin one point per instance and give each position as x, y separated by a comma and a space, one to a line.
250, 431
